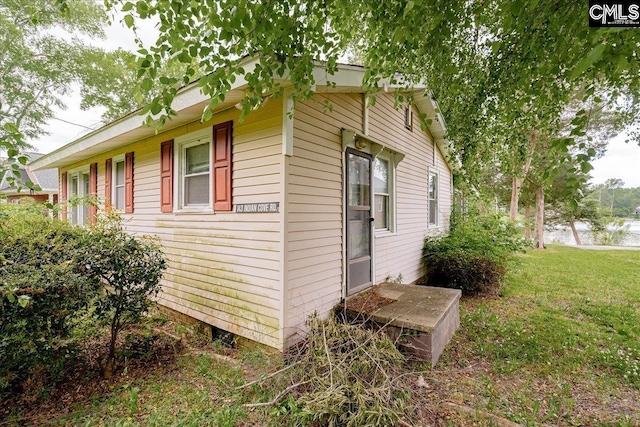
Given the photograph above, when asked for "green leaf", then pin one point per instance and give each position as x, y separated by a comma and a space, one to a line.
408, 8
206, 115
585, 167
587, 61
23, 300
128, 20
573, 203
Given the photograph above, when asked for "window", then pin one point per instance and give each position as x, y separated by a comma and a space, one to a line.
77, 195
194, 171
433, 198
383, 189
196, 175
203, 165
118, 184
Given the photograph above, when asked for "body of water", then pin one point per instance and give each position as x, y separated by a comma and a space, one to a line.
563, 235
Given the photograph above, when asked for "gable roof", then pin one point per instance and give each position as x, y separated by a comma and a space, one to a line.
46, 179
189, 104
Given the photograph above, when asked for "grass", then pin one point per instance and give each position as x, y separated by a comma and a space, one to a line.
560, 346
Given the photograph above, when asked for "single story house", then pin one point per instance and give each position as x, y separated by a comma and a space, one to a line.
268, 220
46, 180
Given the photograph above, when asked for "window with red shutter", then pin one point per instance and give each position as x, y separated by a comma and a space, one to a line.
128, 182
166, 176
222, 198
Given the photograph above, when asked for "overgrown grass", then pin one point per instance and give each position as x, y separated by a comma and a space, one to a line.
560, 346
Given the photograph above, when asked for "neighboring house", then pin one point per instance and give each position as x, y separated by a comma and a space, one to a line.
45, 179
267, 220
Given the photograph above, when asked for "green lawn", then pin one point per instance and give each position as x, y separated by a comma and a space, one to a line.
560, 346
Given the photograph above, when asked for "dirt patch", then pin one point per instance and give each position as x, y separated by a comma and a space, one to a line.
367, 302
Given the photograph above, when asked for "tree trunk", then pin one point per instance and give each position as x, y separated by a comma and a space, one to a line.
575, 233
516, 183
539, 229
527, 222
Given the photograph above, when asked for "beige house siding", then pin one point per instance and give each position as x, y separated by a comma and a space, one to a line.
315, 187
223, 268
261, 275
399, 253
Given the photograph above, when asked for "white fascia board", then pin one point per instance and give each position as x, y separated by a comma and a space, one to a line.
186, 97
426, 104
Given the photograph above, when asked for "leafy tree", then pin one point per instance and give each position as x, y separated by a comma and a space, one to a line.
39, 66
502, 71
570, 199
110, 78
616, 200
45, 53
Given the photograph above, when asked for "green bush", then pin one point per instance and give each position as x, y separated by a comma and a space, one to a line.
130, 268
43, 292
475, 255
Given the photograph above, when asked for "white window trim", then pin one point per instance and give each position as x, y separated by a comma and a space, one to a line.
180, 145
114, 161
391, 229
77, 172
437, 199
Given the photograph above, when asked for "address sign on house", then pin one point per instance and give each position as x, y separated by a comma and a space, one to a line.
258, 207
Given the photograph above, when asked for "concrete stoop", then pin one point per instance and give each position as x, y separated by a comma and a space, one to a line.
421, 320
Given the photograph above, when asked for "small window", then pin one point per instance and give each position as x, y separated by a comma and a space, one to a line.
118, 184
195, 171
433, 198
382, 188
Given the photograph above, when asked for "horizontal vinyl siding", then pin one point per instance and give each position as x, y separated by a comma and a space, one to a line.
314, 207
223, 268
400, 253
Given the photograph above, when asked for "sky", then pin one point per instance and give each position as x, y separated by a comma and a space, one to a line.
622, 160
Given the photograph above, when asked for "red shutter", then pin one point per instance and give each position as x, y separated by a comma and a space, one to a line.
108, 173
166, 176
128, 182
222, 167
63, 195
93, 190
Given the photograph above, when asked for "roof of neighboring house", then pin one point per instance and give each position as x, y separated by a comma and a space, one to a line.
46, 179
190, 102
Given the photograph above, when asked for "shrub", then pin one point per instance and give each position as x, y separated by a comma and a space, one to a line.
474, 257
43, 292
130, 267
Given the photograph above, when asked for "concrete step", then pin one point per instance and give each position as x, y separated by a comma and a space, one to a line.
421, 320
